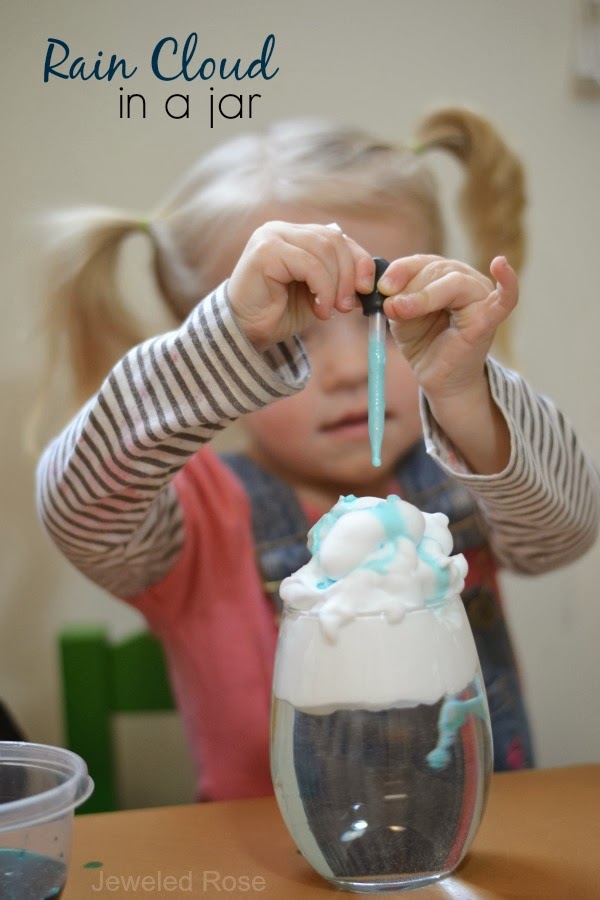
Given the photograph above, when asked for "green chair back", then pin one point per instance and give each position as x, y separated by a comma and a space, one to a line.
99, 679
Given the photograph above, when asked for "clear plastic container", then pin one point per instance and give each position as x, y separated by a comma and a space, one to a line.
40, 787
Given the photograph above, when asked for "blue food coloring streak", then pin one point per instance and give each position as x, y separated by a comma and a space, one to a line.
324, 525
426, 550
390, 514
453, 715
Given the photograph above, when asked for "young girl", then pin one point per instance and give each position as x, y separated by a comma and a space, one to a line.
264, 287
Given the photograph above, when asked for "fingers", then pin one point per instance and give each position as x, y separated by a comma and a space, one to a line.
287, 273
326, 278
364, 274
507, 284
401, 272
331, 265
453, 290
412, 273
431, 284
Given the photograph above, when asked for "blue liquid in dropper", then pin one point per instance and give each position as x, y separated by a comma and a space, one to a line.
377, 335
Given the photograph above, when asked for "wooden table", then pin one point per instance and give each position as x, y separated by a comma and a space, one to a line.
540, 838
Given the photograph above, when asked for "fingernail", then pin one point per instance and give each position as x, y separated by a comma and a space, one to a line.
384, 285
349, 302
317, 300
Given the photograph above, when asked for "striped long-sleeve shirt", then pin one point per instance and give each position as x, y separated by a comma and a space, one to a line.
134, 498
105, 484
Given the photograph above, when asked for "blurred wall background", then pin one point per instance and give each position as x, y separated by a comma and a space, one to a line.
379, 64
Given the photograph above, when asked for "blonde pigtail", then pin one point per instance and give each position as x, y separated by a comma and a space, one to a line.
85, 316
492, 200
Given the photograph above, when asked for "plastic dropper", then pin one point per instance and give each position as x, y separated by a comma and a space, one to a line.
372, 305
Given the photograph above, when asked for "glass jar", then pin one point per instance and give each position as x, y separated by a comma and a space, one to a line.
381, 748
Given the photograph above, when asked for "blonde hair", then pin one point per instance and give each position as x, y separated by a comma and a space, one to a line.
299, 162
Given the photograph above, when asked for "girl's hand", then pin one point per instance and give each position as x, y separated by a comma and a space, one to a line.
443, 316
288, 274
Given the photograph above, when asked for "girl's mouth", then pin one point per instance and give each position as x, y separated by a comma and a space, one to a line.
352, 425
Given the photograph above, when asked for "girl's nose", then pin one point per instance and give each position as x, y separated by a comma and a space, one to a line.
343, 353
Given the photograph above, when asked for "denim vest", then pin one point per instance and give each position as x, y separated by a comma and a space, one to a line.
280, 530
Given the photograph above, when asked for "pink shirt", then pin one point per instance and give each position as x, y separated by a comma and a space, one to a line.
219, 633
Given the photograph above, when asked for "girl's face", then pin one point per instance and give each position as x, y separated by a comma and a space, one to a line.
318, 440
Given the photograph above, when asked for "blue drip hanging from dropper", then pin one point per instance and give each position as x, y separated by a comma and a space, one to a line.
372, 305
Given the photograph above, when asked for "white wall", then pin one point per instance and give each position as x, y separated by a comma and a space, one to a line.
380, 64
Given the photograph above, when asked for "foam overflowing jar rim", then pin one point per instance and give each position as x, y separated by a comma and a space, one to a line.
432, 606
49, 804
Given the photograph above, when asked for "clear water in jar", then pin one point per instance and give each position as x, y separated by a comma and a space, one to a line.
383, 799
